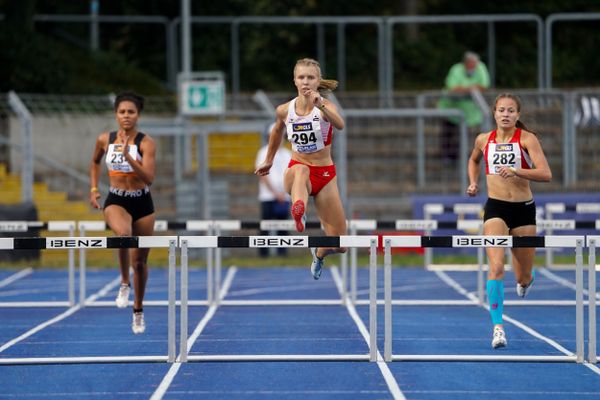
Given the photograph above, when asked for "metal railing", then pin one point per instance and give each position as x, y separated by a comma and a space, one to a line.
385, 41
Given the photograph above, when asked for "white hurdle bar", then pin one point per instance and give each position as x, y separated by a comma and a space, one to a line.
87, 242
187, 242
51, 226
576, 242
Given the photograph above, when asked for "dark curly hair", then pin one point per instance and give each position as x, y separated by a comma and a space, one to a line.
130, 96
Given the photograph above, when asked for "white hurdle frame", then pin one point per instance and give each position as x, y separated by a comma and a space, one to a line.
416, 241
216, 227
83, 242
100, 225
561, 208
592, 242
51, 226
187, 242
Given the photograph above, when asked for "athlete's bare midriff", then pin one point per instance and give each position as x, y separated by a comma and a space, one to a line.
320, 158
513, 189
127, 182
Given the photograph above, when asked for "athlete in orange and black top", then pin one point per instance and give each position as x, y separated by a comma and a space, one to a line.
513, 157
309, 120
128, 209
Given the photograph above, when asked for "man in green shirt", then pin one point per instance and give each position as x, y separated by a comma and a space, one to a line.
463, 77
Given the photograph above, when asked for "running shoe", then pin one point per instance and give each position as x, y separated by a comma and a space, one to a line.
122, 299
522, 290
138, 325
499, 339
317, 264
298, 215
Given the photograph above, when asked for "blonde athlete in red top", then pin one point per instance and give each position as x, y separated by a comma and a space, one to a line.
128, 210
513, 157
309, 120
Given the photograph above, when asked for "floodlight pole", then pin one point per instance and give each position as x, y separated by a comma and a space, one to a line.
186, 61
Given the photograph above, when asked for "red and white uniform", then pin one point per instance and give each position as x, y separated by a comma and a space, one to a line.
509, 154
309, 133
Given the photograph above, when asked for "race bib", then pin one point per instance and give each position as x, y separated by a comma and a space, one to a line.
115, 159
503, 155
305, 136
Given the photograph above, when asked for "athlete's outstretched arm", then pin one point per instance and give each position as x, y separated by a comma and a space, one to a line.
275, 138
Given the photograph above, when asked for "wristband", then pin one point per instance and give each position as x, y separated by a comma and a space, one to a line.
94, 189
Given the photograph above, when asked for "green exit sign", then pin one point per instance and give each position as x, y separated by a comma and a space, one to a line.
202, 97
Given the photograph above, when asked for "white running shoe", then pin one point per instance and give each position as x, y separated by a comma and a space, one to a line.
122, 299
522, 290
499, 339
138, 325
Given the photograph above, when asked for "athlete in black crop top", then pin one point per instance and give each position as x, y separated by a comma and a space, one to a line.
128, 210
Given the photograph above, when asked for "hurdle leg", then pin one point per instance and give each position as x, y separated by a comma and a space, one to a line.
171, 310
210, 252
480, 279
183, 311
387, 282
82, 271
373, 301
579, 301
344, 288
549, 251
353, 268
71, 258
217, 276
592, 356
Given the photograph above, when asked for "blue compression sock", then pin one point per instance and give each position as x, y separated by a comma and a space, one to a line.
495, 293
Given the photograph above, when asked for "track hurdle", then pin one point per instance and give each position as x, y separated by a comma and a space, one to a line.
427, 225
214, 255
90, 242
186, 242
51, 226
561, 208
159, 226
576, 242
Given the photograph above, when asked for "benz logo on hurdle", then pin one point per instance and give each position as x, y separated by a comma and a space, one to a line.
75, 243
478, 241
278, 241
16, 226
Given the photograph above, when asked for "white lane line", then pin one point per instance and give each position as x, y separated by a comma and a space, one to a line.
517, 323
70, 311
565, 282
16, 276
168, 378
274, 289
513, 321
389, 378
